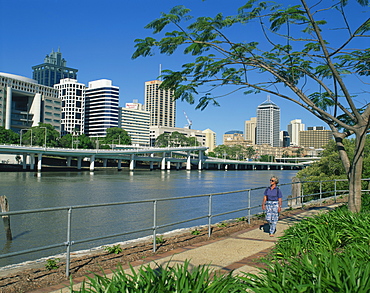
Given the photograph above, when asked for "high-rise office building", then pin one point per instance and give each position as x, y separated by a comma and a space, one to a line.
160, 104
268, 124
72, 95
24, 103
53, 70
315, 137
101, 107
136, 121
250, 130
294, 128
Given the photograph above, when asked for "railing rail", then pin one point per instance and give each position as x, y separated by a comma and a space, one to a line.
209, 215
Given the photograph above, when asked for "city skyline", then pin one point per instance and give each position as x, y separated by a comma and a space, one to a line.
103, 49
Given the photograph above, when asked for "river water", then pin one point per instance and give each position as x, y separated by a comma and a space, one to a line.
29, 190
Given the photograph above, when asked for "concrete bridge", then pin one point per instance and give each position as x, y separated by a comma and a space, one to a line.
164, 157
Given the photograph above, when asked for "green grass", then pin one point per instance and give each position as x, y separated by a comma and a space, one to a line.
326, 253
116, 249
179, 278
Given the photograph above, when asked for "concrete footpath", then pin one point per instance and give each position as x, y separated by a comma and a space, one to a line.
235, 252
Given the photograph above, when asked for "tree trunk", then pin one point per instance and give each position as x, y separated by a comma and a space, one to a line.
354, 181
355, 174
353, 169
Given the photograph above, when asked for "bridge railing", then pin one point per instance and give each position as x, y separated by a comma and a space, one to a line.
249, 207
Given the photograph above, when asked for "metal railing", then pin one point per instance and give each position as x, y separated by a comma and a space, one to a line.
318, 190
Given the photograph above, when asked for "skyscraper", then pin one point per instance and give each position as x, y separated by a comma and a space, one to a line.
294, 128
160, 104
72, 94
136, 122
53, 70
268, 123
250, 130
101, 107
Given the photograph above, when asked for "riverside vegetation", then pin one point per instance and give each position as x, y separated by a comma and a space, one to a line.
327, 253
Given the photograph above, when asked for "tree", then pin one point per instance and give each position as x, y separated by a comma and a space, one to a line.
175, 139
163, 140
66, 141
41, 134
117, 135
299, 59
250, 152
267, 158
8, 136
80, 142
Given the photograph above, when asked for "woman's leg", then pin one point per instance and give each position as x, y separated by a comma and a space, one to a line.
272, 215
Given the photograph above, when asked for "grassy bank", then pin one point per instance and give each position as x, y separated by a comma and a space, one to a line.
327, 253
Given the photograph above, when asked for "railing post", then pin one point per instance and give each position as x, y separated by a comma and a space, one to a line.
209, 214
302, 196
68, 243
320, 191
249, 206
154, 226
335, 190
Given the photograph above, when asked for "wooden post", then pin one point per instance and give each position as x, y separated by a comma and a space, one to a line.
6, 220
296, 193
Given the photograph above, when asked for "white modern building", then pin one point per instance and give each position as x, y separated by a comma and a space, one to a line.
160, 104
72, 95
210, 139
250, 130
101, 107
294, 128
136, 121
24, 103
268, 124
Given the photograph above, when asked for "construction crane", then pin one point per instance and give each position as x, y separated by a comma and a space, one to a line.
189, 121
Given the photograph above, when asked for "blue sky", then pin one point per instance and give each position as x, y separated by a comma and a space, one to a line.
97, 38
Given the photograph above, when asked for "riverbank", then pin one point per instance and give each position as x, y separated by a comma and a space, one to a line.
29, 279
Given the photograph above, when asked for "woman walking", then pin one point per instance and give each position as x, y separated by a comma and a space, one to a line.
272, 202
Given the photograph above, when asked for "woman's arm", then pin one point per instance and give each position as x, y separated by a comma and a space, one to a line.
280, 201
263, 202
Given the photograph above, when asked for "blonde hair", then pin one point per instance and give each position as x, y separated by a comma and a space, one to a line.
276, 179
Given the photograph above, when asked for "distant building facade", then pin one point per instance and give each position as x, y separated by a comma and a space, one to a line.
250, 130
294, 127
210, 137
101, 107
235, 137
24, 103
160, 104
156, 131
315, 137
136, 121
72, 95
53, 70
284, 139
268, 124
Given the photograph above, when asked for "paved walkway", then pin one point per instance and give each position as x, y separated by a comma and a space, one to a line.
234, 252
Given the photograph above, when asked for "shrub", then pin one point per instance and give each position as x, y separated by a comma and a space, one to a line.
195, 232
179, 278
52, 264
116, 249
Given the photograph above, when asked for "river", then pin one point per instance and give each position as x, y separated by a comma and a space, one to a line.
30, 190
